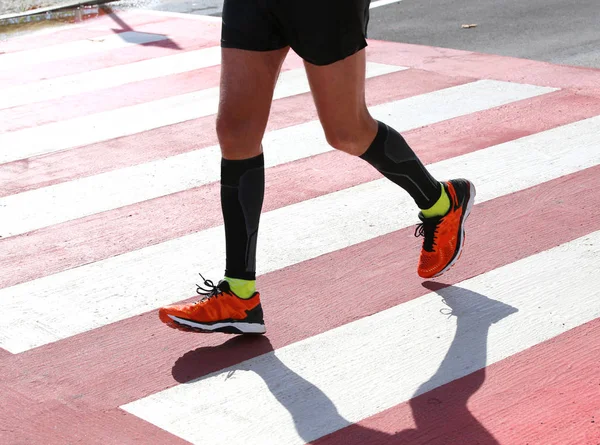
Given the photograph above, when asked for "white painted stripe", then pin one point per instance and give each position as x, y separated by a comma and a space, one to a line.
43, 207
379, 3
109, 77
319, 385
41, 311
134, 119
79, 48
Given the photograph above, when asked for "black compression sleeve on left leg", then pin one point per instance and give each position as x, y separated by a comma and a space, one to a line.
392, 157
242, 193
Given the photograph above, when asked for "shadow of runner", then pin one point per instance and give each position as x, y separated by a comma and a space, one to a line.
440, 414
439, 410
130, 35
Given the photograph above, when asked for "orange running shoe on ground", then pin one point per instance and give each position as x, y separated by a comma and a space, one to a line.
444, 236
220, 310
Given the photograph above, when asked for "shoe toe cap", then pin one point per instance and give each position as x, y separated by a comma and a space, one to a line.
165, 313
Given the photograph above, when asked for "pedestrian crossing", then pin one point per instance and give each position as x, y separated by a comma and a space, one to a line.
109, 209
323, 395
202, 166
311, 226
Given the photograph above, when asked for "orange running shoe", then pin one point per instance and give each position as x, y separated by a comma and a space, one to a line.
220, 310
444, 236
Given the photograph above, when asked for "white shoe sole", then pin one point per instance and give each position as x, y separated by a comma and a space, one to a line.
227, 327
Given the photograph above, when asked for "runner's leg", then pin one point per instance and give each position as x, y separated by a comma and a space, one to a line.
248, 80
339, 93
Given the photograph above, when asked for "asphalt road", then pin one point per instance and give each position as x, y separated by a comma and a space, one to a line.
557, 31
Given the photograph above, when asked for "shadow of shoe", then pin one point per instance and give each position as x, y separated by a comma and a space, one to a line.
310, 409
464, 303
235, 351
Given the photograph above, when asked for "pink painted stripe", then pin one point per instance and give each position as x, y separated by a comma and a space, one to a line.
67, 165
163, 357
547, 394
83, 104
28, 418
49, 250
183, 35
4, 354
90, 29
454, 62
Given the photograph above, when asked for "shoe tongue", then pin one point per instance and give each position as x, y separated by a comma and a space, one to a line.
432, 220
223, 285
428, 229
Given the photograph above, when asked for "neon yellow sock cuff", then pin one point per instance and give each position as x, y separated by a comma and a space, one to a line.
242, 288
440, 208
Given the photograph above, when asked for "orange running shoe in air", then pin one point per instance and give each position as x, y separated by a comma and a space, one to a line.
444, 236
220, 310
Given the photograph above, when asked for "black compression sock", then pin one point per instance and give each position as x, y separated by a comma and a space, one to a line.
392, 157
242, 193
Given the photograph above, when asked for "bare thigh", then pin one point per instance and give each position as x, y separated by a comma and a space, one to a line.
339, 94
248, 79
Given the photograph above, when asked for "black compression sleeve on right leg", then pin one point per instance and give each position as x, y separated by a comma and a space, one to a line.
242, 193
392, 157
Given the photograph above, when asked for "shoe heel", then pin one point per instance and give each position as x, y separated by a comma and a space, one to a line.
471, 202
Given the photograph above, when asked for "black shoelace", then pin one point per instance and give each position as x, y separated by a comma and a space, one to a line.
208, 291
428, 229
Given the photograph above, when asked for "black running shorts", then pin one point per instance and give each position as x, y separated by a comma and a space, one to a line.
319, 31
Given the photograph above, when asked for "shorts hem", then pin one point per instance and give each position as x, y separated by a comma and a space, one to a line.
250, 47
323, 61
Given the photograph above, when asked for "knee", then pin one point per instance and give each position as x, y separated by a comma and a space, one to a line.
341, 140
230, 130
238, 138
353, 140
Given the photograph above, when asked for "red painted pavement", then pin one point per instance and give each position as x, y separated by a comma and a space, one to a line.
454, 62
69, 391
125, 361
